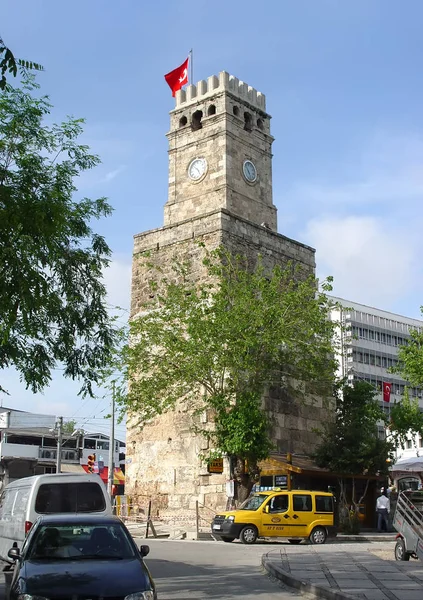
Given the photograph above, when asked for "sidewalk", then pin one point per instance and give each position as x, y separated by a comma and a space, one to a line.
351, 573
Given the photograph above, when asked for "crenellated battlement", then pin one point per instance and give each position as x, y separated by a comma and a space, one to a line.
220, 83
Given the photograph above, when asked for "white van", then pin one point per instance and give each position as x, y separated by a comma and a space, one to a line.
24, 500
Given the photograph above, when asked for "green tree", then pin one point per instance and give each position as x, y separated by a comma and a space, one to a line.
410, 358
406, 416
350, 445
406, 419
10, 64
69, 426
215, 345
52, 296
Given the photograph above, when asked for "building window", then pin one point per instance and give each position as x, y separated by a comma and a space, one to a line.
260, 124
211, 110
248, 122
196, 120
409, 444
235, 110
183, 121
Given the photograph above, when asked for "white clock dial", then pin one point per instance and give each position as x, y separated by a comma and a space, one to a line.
250, 171
197, 168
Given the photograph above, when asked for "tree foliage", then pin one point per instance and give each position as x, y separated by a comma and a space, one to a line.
10, 65
406, 416
217, 344
350, 445
406, 419
52, 297
410, 359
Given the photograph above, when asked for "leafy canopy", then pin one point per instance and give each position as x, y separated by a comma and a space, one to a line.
216, 344
10, 65
52, 297
350, 445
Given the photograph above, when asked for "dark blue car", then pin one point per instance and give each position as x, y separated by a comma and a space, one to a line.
80, 558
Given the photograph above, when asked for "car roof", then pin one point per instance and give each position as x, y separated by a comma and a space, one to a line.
79, 519
280, 491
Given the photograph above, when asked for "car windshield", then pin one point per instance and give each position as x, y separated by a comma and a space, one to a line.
80, 542
253, 502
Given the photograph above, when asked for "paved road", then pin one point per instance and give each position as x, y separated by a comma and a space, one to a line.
186, 570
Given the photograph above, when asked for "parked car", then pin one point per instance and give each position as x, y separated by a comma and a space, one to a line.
296, 515
24, 500
80, 556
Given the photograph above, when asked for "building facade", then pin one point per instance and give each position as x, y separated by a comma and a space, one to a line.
28, 446
219, 193
370, 348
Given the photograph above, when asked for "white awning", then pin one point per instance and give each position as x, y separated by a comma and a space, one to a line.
413, 464
71, 468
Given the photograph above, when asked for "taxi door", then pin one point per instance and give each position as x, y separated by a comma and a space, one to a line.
276, 520
302, 514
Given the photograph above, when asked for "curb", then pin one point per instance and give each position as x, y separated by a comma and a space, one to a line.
318, 591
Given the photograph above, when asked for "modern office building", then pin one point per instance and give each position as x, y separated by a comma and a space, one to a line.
369, 348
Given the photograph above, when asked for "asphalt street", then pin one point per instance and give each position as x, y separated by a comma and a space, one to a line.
184, 570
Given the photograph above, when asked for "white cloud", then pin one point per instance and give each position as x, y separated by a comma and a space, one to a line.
117, 278
371, 259
114, 173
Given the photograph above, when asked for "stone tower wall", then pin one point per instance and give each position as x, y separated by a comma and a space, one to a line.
165, 463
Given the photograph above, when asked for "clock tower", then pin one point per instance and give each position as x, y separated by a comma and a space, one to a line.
220, 153
220, 193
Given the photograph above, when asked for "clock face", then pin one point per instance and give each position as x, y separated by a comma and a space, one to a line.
197, 168
250, 171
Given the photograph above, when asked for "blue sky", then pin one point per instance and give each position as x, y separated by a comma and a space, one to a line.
344, 87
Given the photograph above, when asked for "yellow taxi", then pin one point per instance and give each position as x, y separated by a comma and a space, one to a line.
295, 514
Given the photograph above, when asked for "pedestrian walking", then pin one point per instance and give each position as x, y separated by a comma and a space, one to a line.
383, 508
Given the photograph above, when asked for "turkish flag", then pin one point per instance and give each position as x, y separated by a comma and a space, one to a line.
387, 392
178, 77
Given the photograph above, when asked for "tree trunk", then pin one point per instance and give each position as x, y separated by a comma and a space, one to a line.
244, 480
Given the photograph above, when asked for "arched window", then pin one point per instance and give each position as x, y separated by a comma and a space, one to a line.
211, 110
235, 111
248, 125
260, 124
196, 120
183, 121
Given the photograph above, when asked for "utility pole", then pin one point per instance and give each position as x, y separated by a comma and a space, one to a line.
59, 445
111, 445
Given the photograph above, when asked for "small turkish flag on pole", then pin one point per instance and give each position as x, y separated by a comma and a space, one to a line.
387, 392
178, 77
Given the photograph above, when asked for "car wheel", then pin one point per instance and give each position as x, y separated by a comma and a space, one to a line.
400, 551
248, 535
318, 535
227, 539
295, 541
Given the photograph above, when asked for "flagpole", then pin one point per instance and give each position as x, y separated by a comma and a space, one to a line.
191, 64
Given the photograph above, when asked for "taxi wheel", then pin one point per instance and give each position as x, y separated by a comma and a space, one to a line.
248, 535
318, 535
227, 539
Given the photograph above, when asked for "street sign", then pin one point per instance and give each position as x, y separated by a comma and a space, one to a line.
215, 466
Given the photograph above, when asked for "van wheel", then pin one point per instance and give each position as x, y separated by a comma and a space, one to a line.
295, 541
400, 551
248, 535
227, 539
318, 535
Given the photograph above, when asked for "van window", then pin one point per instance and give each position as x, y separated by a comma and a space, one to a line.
324, 504
20, 503
6, 504
69, 498
302, 503
279, 503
